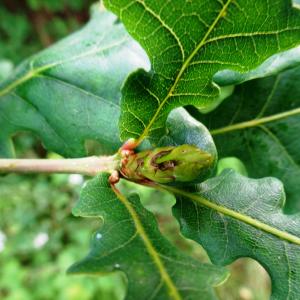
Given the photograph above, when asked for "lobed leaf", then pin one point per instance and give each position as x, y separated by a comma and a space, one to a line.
233, 216
69, 93
188, 42
130, 241
264, 130
275, 64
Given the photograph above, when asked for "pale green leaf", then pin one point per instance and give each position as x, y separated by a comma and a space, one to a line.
70, 92
233, 216
260, 125
130, 241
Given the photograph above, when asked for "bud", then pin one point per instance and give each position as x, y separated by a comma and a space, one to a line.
167, 164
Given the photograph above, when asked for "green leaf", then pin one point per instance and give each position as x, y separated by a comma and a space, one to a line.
275, 64
233, 216
231, 163
190, 41
70, 92
69, 103
130, 241
260, 125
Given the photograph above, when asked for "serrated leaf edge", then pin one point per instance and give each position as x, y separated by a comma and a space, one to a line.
183, 68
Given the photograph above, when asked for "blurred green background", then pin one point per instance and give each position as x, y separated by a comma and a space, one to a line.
39, 238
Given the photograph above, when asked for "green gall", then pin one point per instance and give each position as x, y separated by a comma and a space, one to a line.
166, 164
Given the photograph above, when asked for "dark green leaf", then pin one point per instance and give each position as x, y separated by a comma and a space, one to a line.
190, 41
70, 92
260, 125
130, 241
233, 216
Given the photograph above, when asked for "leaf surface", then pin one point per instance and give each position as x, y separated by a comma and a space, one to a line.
260, 124
187, 43
275, 64
69, 93
130, 241
233, 216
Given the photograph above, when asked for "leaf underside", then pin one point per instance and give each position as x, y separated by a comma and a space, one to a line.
228, 238
130, 241
268, 147
187, 43
69, 93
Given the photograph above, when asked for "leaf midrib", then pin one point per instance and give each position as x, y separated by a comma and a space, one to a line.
256, 122
283, 235
182, 70
35, 72
173, 292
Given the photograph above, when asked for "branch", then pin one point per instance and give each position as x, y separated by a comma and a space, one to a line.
90, 166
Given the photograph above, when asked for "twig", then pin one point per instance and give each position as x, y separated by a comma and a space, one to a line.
90, 166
